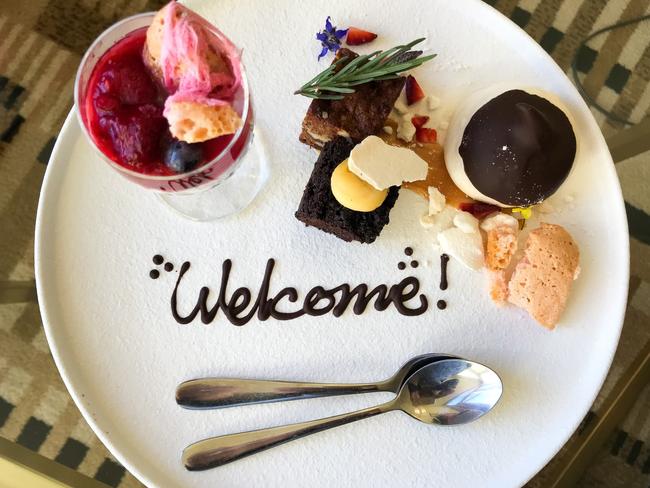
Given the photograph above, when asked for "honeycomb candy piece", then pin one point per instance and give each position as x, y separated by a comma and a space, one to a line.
501, 246
191, 121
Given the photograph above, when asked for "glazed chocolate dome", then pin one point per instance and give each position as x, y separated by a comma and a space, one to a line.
518, 148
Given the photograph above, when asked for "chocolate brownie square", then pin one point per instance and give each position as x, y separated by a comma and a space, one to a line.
357, 116
318, 207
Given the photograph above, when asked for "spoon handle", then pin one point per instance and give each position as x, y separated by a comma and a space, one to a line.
217, 451
227, 392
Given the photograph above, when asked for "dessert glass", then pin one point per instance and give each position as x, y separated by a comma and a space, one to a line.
216, 188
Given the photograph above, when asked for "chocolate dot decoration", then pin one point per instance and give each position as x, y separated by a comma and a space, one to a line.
154, 274
441, 304
169, 267
408, 251
401, 265
414, 264
158, 259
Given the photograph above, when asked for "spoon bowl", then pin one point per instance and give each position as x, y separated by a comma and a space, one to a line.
450, 392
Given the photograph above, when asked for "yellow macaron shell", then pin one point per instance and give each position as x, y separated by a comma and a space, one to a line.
354, 193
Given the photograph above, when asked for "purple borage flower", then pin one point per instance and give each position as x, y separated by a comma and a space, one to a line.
330, 38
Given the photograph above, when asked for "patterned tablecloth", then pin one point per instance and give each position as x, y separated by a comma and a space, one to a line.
41, 43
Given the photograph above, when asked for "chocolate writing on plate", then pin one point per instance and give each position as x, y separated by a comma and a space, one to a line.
242, 305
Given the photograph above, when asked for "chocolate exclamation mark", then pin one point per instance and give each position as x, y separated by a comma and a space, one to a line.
444, 259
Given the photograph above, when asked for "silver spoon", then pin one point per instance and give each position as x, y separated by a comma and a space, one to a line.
228, 392
447, 392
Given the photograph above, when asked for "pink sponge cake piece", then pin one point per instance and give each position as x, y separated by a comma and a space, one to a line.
542, 280
176, 66
198, 69
186, 55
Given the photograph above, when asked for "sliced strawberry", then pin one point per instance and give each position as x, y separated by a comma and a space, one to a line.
426, 135
478, 209
419, 120
414, 92
358, 36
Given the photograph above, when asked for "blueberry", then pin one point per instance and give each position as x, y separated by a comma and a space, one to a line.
182, 156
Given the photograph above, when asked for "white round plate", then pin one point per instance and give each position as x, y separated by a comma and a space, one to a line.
121, 354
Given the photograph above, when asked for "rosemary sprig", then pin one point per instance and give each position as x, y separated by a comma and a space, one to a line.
341, 77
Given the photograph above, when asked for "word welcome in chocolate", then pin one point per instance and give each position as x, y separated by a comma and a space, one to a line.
239, 307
